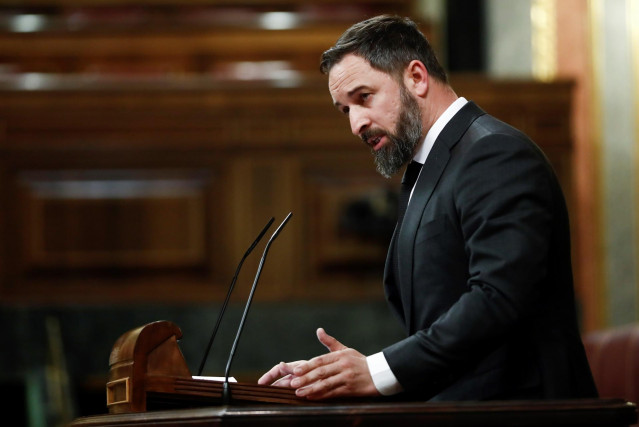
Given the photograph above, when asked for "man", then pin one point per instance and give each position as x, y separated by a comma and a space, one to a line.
478, 270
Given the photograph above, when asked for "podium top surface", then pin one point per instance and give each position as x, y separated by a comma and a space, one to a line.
582, 412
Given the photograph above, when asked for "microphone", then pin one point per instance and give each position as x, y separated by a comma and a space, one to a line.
228, 294
226, 389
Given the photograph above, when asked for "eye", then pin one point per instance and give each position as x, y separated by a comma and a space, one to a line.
345, 110
364, 96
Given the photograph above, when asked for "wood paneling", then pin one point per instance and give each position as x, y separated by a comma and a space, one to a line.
92, 219
144, 144
160, 37
129, 191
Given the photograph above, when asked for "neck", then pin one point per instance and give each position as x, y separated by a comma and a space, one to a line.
440, 97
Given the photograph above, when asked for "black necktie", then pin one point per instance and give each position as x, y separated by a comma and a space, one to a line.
408, 181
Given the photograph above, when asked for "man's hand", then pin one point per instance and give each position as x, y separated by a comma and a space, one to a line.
342, 372
280, 375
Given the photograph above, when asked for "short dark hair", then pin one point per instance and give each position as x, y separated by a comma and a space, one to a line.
389, 43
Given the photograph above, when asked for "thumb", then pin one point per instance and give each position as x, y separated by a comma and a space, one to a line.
328, 341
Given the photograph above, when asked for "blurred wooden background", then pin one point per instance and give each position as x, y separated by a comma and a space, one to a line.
145, 143
143, 147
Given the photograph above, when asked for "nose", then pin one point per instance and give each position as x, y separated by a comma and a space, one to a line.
359, 121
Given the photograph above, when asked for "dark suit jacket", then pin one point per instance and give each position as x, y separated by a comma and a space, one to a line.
485, 288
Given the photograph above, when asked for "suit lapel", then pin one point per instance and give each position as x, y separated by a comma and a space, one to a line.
432, 170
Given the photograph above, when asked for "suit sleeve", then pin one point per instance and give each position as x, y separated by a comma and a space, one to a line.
503, 200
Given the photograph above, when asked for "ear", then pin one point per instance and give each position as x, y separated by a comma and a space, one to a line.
416, 78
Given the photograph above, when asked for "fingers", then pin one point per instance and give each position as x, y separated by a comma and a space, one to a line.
328, 341
316, 368
284, 381
317, 381
278, 373
274, 373
283, 373
320, 368
322, 389
341, 373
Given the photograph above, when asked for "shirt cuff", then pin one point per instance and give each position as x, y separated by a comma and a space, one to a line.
383, 378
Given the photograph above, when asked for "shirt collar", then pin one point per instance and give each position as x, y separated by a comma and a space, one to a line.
422, 152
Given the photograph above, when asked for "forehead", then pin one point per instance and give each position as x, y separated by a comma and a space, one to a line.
353, 72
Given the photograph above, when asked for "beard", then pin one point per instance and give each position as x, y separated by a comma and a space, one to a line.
401, 146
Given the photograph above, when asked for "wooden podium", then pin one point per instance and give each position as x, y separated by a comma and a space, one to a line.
150, 384
148, 372
578, 413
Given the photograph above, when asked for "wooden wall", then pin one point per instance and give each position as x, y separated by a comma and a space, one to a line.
144, 144
130, 190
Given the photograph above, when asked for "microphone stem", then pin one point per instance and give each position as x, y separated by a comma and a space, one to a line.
226, 388
229, 292
244, 315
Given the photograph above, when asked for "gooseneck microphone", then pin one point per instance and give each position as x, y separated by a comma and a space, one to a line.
226, 389
228, 294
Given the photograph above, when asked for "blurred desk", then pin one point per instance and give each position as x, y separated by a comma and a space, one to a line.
597, 412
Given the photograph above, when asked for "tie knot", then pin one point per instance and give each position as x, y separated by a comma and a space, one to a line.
411, 174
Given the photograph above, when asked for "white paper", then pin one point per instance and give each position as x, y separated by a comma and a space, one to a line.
197, 377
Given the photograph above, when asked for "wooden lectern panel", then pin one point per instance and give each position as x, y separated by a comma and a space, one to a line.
575, 413
148, 371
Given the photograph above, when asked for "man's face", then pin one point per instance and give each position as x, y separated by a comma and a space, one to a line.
381, 111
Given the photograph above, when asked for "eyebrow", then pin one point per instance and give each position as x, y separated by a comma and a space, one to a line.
350, 93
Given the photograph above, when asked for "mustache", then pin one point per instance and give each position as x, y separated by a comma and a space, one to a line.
372, 134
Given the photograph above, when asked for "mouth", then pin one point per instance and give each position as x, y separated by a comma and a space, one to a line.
375, 142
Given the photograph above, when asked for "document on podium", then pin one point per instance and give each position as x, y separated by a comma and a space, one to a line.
206, 378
